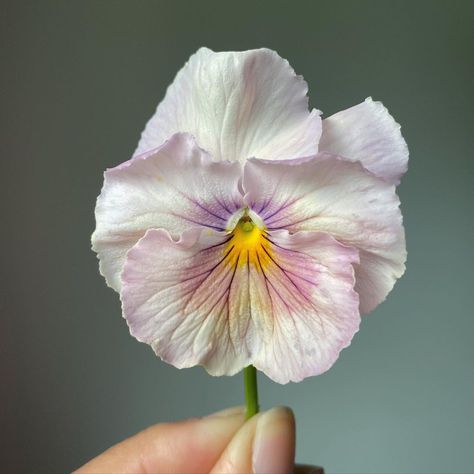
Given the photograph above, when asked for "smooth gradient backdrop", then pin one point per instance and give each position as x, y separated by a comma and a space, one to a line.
79, 79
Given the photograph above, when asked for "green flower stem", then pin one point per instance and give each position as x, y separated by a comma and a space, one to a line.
251, 391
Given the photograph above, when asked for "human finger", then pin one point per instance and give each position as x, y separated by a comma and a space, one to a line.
265, 444
188, 446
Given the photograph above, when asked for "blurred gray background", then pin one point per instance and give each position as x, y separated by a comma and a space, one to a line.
78, 82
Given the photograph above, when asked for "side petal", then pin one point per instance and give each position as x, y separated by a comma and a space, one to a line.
286, 305
187, 301
176, 186
315, 311
369, 134
341, 198
237, 105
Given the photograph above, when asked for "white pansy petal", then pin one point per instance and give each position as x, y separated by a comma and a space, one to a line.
315, 311
369, 134
282, 302
340, 198
187, 301
175, 187
237, 105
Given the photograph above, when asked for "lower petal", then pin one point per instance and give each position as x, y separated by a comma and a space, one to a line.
184, 299
315, 310
282, 302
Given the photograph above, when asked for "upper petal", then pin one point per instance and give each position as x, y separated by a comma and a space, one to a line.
369, 134
237, 105
175, 187
341, 198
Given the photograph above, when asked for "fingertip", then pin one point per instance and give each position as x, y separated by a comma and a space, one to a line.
193, 445
265, 444
237, 455
274, 443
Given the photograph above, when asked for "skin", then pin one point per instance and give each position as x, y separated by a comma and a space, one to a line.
223, 443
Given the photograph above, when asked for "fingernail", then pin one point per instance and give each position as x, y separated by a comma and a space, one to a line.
228, 412
274, 443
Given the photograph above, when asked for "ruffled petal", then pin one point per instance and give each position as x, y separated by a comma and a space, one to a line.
237, 105
189, 301
315, 311
282, 302
176, 186
340, 198
369, 134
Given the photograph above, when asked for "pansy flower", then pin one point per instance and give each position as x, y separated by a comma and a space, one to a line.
245, 229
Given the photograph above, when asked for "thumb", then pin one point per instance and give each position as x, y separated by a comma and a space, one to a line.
265, 444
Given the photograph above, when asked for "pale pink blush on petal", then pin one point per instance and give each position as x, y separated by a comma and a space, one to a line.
176, 297
176, 187
288, 308
369, 134
315, 310
341, 198
237, 105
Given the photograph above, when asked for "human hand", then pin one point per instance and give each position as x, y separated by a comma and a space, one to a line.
221, 443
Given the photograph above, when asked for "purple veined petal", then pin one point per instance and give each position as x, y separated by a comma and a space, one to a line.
180, 298
237, 105
176, 187
369, 134
315, 310
332, 195
282, 302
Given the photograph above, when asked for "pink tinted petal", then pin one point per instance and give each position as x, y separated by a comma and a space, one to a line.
237, 105
315, 311
340, 198
369, 134
175, 187
289, 308
187, 302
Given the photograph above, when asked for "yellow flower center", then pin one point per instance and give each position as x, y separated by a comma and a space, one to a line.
248, 245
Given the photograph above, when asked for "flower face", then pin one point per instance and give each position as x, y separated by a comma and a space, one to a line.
245, 230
